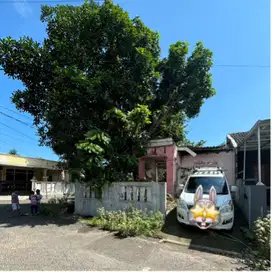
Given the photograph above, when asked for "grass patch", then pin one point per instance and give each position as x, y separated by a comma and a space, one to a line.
132, 222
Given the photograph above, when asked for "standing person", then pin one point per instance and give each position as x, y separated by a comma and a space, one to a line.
39, 198
33, 203
15, 203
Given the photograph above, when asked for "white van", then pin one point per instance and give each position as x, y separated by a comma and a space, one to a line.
205, 200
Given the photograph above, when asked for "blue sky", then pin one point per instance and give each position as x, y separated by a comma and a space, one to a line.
237, 32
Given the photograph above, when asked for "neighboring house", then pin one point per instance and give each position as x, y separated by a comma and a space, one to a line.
177, 161
252, 158
19, 173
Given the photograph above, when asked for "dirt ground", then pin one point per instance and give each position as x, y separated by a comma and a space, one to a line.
42, 243
194, 237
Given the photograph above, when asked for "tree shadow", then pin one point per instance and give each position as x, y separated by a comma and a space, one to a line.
6, 221
206, 240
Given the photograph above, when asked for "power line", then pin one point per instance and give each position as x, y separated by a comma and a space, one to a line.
13, 111
18, 139
13, 146
22, 122
17, 131
9, 144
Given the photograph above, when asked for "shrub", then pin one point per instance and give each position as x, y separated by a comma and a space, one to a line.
131, 222
262, 242
55, 200
259, 257
52, 209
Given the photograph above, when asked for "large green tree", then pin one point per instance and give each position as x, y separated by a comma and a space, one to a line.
98, 90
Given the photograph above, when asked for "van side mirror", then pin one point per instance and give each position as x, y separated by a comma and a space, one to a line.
233, 189
180, 189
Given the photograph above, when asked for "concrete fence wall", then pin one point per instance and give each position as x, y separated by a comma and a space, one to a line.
51, 189
121, 195
252, 200
239, 195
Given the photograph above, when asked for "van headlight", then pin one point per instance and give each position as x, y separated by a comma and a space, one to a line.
227, 207
183, 205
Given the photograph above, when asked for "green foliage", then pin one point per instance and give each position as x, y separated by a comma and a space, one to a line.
259, 256
93, 153
55, 206
186, 142
98, 90
262, 238
13, 152
262, 235
128, 223
56, 200
52, 209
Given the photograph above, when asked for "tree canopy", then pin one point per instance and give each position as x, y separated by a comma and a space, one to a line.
98, 89
13, 152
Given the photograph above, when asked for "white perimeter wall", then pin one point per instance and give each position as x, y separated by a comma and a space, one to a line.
121, 195
51, 189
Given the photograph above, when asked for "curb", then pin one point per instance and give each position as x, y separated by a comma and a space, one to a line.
203, 248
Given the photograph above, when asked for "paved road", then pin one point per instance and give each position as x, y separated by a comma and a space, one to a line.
37, 243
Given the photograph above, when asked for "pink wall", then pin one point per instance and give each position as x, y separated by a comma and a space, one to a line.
170, 169
171, 164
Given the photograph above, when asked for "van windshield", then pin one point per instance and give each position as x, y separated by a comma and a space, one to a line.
219, 183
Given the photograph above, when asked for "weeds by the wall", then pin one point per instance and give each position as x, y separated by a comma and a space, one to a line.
258, 258
56, 200
171, 203
132, 222
54, 207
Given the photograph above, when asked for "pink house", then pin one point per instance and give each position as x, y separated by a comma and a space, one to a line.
162, 151
175, 161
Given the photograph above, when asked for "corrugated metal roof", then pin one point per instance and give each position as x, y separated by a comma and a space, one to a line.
241, 137
238, 137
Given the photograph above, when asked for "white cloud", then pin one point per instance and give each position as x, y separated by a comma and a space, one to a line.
22, 7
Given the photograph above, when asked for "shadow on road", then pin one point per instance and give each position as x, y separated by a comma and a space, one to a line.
26, 219
197, 238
